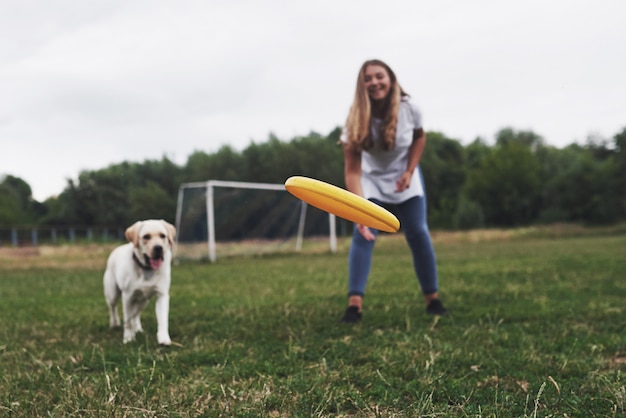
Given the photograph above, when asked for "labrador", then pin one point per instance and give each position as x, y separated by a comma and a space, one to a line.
138, 271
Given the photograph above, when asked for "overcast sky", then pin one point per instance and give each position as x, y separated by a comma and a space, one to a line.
86, 84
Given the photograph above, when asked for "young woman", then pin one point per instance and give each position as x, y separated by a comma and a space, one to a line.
383, 141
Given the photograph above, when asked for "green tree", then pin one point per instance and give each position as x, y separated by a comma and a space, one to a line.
103, 197
554, 166
517, 181
506, 185
620, 172
225, 164
163, 172
317, 156
22, 190
151, 201
583, 183
475, 152
313, 156
527, 138
11, 212
469, 215
443, 168
17, 206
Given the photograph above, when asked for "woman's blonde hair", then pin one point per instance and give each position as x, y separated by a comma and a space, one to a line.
359, 118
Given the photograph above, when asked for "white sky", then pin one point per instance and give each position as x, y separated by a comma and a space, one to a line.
86, 84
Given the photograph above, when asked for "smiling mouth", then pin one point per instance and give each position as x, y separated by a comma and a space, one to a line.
155, 263
377, 91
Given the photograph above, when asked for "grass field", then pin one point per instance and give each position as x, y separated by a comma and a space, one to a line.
537, 327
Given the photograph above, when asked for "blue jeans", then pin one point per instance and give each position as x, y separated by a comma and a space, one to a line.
412, 216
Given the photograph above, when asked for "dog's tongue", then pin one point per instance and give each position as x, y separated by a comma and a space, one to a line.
155, 263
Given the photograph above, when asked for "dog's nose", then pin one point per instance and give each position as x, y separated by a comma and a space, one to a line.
157, 251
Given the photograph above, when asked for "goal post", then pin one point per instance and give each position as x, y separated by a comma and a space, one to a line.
242, 212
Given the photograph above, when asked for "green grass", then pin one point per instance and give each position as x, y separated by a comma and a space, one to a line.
537, 328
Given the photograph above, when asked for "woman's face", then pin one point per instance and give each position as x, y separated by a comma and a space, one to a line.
377, 82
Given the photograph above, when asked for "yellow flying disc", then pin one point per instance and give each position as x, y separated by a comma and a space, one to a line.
342, 203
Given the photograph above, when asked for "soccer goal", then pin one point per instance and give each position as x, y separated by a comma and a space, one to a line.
219, 218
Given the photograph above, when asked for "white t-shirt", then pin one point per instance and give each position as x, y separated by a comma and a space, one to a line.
381, 169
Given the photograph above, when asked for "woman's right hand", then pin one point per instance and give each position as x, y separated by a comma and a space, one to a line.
365, 232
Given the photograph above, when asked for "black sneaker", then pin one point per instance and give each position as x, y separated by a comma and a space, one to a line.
352, 315
435, 307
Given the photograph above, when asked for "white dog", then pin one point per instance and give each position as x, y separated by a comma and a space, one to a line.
137, 271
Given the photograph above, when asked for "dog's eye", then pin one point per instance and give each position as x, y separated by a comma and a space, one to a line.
146, 237
162, 236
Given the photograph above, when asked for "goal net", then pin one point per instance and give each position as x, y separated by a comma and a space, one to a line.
216, 219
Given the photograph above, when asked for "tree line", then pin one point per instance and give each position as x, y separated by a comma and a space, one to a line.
518, 180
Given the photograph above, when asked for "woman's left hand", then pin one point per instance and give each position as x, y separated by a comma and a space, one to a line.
403, 182
366, 233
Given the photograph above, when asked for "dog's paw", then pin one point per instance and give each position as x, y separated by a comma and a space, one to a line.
129, 336
164, 339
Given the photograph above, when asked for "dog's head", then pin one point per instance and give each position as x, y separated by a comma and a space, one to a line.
152, 239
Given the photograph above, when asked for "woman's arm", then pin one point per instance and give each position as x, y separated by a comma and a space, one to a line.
415, 155
352, 170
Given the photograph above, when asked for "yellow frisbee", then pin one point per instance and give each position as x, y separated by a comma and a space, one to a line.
342, 203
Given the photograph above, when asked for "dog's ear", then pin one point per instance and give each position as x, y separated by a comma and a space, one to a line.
171, 231
132, 233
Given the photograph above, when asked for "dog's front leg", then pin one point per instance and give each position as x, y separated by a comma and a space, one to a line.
137, 324
131, 310
162, 307
114, 317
